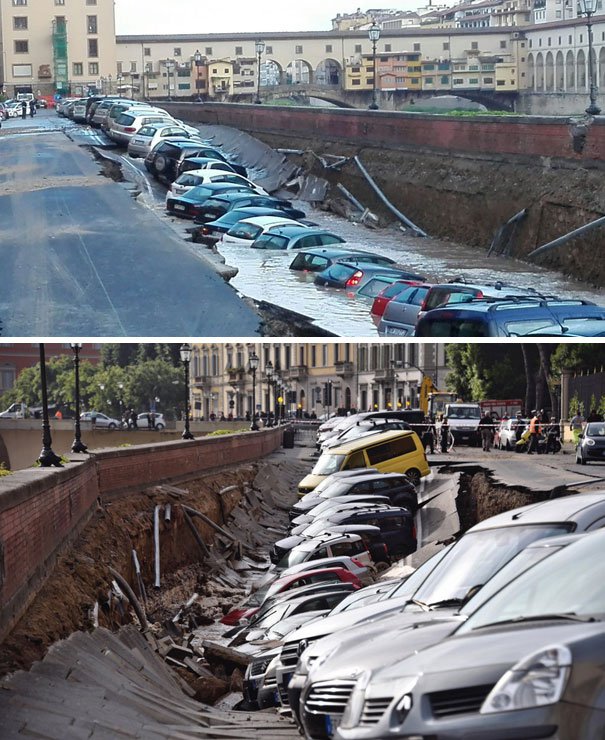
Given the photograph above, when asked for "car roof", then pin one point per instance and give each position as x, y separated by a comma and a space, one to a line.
295, 229
336, 561
564, 509
375, 439
315, 571
483, 306
315, 542
264, 220
374, 476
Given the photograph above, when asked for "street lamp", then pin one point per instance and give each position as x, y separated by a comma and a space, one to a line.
253, 363
78, 445
119, 81
588, 8
47, 456
374, 34
260, 48
197, 58
121, 399
269, 374
185, 352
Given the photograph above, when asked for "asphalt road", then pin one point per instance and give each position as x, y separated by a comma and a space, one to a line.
81, 257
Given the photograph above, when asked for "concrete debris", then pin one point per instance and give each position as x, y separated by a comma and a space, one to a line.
313, 189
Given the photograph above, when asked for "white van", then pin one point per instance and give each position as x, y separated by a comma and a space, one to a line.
15, 411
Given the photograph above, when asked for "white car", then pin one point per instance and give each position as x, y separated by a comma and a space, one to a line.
79, 111
128, 123
192, 178
507, 434
102, 421
143, 421
147, 137
246, 231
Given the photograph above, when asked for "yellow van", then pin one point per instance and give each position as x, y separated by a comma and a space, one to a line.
395, 451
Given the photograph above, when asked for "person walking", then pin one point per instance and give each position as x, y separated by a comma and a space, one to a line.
486, 430
428, 436
594, 416
23, 109
93, 419
445, 435
534, 433
32, 108
133, 419
576, 425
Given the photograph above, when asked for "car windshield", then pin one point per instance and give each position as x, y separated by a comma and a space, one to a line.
245, 231
294, 557
271, 241
340, 488
595, 429
328, 464
438, 327
476, 557
572, 581
410, 585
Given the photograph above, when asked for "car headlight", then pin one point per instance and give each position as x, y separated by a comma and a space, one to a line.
535, 681
588, 441
399, 688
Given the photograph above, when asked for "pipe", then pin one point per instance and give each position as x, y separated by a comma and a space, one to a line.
562, 239
197, 536
137, 570
203, 517
349, 196
124, 585
417, 230
167, 512
502, 231
156, 544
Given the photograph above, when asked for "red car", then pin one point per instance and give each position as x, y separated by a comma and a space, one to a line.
386, 294
254, 602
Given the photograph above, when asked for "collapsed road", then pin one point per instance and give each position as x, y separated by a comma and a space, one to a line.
81, 664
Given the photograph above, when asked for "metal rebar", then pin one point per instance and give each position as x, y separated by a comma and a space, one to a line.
156, 545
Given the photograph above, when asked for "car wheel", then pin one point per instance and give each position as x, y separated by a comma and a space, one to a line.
159, 427
160, 163
507, 448
112, 426
414, 475
582, 459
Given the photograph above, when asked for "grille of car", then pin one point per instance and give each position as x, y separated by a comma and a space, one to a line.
283, 696
258, 668
373, 709
270, 681
329, 697
289, 655
458, 701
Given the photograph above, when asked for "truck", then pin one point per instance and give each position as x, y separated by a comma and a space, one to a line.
15, 411
463, 419
431, 400
498, 409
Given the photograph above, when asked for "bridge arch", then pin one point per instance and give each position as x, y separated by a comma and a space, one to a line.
601, 70
539, 72
549, 73
559, 72
328, 72
271, 73
570, 71
531, 71
298, 71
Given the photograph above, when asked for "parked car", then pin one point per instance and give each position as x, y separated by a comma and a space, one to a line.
148, 137
128, 123
211, 231
526, 663
79, 110
254, 602
401, 313
119, 107
591, 445
196, 163
388, 292
505, 318
189, 180
164, 159
101, 420
573, 328
224, 203
352, 276
363, 429
295, 237
193, 202
336, 561
509, 433
159, 422
246, 231
326, 546
389, 452
317, 259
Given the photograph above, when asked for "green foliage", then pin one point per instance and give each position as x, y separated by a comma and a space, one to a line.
220, 432
482, 371
570, 356
126, 354
4, 470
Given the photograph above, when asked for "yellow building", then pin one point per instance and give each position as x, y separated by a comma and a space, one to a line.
220, 78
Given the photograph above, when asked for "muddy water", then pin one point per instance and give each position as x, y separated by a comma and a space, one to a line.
265, 275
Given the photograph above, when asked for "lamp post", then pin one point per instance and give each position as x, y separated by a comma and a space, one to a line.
120, 399
109, 81
588, 8
269, 374
197, 58
253, 363
374, 34
78, 445
168, 70
119, 82
185, 352
260, 48
47, 456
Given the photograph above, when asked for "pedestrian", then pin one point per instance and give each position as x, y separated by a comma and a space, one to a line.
594, 416
133, 419
519, 426
23, 109
32, 108
553, 434
153, 420
149, 421
58, 414
534, 432
428, 436
445, 434
93, 419
576, 425
486, 424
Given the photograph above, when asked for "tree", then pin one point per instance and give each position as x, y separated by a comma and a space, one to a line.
480, 371
570, 356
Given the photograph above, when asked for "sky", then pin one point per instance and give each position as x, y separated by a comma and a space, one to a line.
238, 16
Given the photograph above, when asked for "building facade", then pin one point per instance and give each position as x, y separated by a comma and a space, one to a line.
56, 46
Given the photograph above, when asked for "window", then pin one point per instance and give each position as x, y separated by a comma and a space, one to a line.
176, 52
428, 80
416, 47
21, 47
355, 82
298, 49
91, 2
446, 46
358, 48
208, 51
389, 450
147, 51
93, 68
133, 67
488, 80
356, 460
444, 79
324, 355
503, 44
474, 44
268, 50
91, 24
387, 47
20, 23
93, 48
239, 51
59, 2
78, 69
19, 2
328, 48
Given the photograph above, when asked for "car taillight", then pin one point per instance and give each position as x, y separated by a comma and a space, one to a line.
479, 294
129, 130
354, 279
414, 531
205, 230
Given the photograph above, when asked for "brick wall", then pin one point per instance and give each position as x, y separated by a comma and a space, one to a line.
42, 510
532, 136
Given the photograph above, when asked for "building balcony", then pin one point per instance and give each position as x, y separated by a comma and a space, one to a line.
296, 372
202, 381
344, 369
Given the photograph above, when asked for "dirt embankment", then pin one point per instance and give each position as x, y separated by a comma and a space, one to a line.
466, 199
81, 576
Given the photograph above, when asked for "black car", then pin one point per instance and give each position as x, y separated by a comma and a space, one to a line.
591, 445
317, 259
191, 202
164, 160
354, 275
220, 205
197, 162
211, 232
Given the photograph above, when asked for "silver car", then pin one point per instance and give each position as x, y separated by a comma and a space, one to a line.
401, 313
128, 123
147, 137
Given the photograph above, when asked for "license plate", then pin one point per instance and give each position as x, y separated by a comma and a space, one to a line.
394, 330
179, 207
